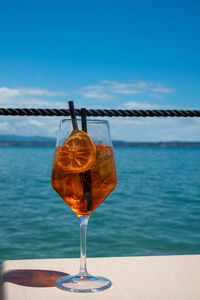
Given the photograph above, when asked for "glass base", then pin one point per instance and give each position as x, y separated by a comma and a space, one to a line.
83, 283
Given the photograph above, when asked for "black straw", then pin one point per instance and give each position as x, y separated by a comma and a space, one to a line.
87, 180
73, 115
83, 119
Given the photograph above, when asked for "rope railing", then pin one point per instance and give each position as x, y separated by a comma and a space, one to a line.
99, 112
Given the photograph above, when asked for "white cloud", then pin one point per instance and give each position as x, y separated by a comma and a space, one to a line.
42, 92
30, 102
136, 87
96, 91
154, 129
6, 92
27, 97
28, 126
4, 127
35, 122
143, 105
162, 89
111, 89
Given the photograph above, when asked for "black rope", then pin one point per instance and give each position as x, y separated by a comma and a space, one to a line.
99, 112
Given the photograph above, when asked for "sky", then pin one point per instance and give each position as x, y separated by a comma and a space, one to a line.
101, 54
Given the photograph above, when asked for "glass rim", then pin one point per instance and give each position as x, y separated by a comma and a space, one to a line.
88, 121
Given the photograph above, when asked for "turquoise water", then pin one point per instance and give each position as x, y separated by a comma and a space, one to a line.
155, 209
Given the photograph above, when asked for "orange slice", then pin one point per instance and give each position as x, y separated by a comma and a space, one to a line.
77, 154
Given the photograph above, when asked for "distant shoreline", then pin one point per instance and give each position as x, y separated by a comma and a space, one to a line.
15, 140
170, 144
26, 143
158, 144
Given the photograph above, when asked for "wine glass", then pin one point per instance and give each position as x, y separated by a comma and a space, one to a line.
83, 174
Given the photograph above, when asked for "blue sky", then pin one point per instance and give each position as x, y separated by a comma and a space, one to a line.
101, 54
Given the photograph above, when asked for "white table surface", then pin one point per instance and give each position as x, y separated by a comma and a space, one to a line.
138, 278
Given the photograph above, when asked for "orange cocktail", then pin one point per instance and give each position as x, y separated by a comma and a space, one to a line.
84, 191
83, 174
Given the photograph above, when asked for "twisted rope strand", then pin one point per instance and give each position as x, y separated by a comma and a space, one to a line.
99, 112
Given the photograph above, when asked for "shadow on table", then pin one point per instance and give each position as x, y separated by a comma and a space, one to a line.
32, 278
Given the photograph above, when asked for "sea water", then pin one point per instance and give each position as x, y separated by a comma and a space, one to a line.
154, 210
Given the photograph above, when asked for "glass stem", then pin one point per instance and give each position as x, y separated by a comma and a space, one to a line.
83, 230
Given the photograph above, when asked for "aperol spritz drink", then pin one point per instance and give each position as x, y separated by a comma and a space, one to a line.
71, 186
83, 174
